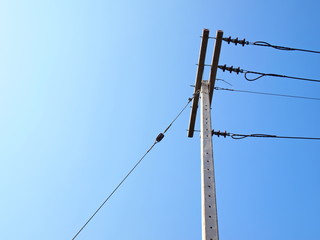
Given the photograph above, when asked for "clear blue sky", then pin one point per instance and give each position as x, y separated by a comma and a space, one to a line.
86, 86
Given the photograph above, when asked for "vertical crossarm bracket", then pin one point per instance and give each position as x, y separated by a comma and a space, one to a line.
214, 63
202, 57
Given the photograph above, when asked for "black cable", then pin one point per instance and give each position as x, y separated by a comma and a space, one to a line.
263, 93
189, 100
242, 136
158, 139
260, 74
264, 44
114, 190
246, 72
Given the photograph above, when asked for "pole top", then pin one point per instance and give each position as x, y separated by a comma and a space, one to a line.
212, 77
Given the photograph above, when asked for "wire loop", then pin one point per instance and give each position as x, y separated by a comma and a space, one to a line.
253, 79
265, 44
238, 136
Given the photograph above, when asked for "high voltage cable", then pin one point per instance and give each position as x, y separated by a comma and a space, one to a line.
264, 44
242, 136
260, 74
263, 93
157, 140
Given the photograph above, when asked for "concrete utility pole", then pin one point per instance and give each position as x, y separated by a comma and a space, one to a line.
205, 88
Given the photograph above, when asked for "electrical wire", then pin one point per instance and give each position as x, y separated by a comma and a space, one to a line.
219, 79
264, 44
260, 74
110, 195
263, 93
157, 140
257, 135
184, 108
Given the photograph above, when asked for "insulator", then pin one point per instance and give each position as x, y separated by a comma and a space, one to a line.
228, 40
231, 69
218, 133
223, 68
243, 42
236, 41
237, 70
159, 137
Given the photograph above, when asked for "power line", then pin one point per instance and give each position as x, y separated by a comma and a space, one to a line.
263, 93
265, 44
110, 195
184, 108
243, 42
157, 140
260, 74
242, 136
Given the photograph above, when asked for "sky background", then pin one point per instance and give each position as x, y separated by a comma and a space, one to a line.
86, 86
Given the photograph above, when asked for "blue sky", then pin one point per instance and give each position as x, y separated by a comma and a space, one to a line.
86, 86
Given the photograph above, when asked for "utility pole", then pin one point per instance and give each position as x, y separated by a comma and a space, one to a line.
205, 90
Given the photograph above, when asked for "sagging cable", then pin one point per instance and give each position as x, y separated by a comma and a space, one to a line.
260, 74
264, 93
243, 43
257, 135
